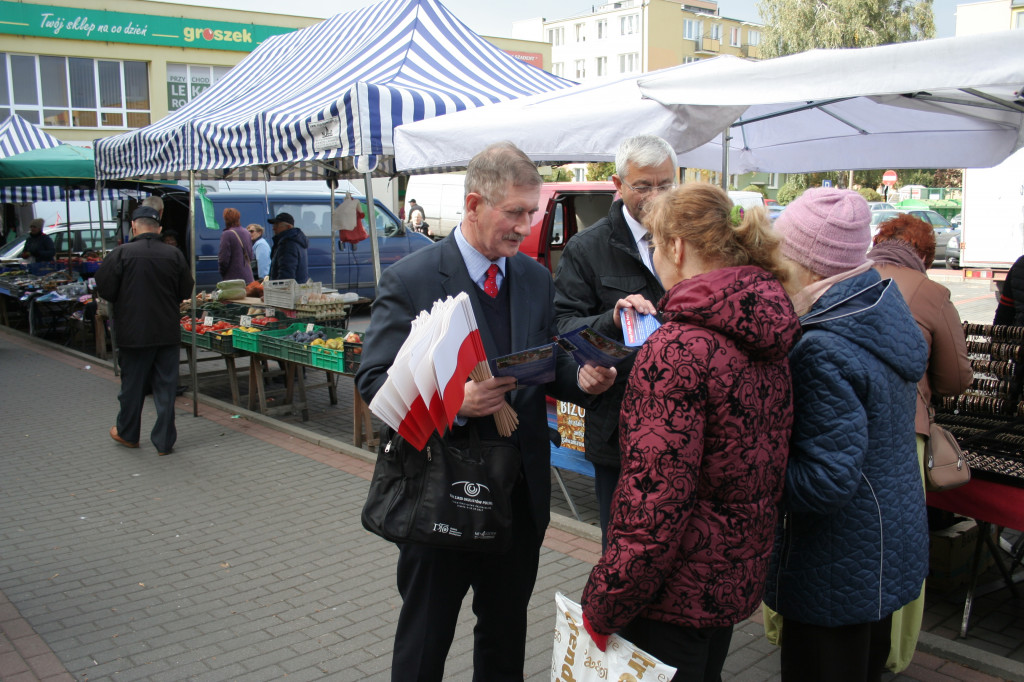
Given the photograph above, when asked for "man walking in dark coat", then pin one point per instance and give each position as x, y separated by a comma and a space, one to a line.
603, 269
145, 281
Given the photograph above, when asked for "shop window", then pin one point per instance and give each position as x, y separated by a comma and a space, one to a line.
185, 82
75, 91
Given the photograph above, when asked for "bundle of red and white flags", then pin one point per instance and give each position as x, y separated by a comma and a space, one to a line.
426, 383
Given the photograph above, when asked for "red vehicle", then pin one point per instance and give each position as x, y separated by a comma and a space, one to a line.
565, 209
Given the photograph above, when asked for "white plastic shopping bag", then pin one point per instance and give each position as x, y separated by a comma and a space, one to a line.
575, 657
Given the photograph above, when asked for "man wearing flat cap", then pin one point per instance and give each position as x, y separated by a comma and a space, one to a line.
288, 256
38, 246
145, 281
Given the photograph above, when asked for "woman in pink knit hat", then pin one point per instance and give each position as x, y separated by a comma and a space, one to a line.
852, 543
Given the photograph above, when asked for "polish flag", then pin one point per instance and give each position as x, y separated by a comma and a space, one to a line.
459, 349
426, 382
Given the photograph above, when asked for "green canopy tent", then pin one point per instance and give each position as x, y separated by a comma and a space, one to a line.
66, 166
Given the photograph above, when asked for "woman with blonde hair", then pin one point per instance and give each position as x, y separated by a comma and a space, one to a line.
704, 428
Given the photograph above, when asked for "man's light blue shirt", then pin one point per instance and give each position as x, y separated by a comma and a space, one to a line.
476, 262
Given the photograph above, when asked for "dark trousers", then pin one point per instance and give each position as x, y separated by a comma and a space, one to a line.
433, 583
605, 479
697, 654
848, 653
146, 370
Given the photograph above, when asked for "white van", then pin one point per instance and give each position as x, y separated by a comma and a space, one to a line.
442, 197
747, 199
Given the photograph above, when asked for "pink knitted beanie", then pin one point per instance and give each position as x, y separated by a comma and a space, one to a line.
826, 230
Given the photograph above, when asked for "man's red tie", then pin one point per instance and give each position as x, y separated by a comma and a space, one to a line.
491, 283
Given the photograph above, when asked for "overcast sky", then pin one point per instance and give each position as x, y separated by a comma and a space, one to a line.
495, 17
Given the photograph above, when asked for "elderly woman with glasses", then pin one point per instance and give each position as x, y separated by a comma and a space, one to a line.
261, 249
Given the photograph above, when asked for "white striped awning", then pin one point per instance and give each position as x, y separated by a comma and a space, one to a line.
18, 135
304, 101
52, 193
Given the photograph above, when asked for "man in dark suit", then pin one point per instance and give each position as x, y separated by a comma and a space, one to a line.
512, 298
603, 269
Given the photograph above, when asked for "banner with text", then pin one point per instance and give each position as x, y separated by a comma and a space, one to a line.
51, 21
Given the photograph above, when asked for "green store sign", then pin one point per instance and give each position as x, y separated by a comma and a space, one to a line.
50, 21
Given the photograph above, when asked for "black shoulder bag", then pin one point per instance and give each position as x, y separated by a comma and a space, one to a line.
452, 494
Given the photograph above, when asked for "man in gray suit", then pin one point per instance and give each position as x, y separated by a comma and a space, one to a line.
512, 297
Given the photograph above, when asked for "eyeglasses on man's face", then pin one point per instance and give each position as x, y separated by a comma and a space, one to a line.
644, 190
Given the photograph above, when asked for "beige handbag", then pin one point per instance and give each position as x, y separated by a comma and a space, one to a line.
945, 466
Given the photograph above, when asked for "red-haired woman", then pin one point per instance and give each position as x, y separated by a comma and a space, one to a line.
903, 248
235, 255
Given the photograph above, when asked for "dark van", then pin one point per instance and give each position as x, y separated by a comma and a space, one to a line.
312, 211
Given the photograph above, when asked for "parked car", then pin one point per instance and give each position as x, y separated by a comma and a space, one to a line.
944, 231
879, 217
952, 251
955, 220
881, 206
353, 263
83, 238
774, 211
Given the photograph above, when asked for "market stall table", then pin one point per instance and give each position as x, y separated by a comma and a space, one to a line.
989, 503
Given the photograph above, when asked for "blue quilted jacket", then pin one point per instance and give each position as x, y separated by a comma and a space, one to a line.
851, 545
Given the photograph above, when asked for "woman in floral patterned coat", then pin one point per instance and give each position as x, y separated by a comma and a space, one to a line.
705, 428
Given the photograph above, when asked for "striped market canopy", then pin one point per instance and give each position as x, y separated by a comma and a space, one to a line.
53, 193
18, 135
326, 99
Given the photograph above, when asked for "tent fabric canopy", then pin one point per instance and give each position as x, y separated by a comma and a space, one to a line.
304, 101
947, 103
18, 135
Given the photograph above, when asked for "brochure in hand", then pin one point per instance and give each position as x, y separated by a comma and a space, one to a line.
530, 367
535, 366
637, 327
589, 347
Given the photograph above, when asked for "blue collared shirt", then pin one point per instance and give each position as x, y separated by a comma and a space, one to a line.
476, 262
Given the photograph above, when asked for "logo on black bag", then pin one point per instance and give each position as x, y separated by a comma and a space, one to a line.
470, 495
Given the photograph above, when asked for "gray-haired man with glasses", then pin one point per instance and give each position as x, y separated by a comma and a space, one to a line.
605, 268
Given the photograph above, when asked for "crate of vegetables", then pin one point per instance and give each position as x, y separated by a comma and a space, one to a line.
291, 344
222, 341
353, 351
202, 340
246, 338
329, 353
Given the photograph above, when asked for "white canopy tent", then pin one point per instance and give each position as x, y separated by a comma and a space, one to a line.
953, 102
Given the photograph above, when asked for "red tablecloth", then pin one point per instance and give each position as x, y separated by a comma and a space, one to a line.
981, 500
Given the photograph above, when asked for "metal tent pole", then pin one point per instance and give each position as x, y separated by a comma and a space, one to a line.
726, 138
371, 218
192, 365
332, 183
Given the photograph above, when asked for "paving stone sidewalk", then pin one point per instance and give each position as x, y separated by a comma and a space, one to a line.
238, 557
